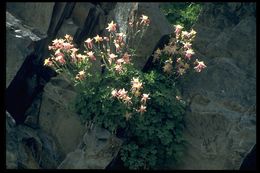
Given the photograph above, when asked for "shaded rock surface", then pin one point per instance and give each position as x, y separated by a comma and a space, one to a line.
28, 148
98, 148
33, 14
221, 124
19, 44
56, 119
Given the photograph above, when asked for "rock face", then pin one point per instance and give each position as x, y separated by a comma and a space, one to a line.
28, 148
55, 117
33, 14
97, 150
221, 124
19, 38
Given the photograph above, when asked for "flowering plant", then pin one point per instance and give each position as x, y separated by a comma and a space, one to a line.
145, 109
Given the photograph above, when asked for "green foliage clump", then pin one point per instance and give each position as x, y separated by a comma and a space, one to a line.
151, 137
182, 13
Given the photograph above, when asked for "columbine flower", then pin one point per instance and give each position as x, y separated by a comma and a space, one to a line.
98, 39
142, 109
60, 59
80, 75
67, 46
126, 58
136, 84
122, 93
119, 68
178, 29
145, 98
111, 27
127, 100
114, 93
89, 43
81, 57
117, 46
185, 34
181, 71
91, 55
120, 61
192, 33
189, 53
167, 68
200, 65
144, 20
187, 45
106, 38
48, 62
111, 57
120, 36
69, 38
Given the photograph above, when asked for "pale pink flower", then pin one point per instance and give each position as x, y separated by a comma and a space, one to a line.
122, 93
120, 37
68, 37
119, 68
111, 57
81, 57
185, 34
60, 59
145, 98
127, 100
67, 46
136, 84
142, 109
48, 62
89, 43
187, 45
120, 61
144, 20
114, 93
117, 46
106, 38
126, 58
192, 33
111, 27
98, 38
91, 55
189, 53
200, 65
178, 29
80, 75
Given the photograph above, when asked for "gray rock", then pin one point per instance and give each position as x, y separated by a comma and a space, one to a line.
99, 149
11, 143
56, 119
29, 148
37, 15
221, 124
19, 44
